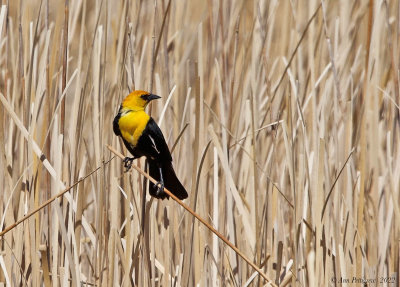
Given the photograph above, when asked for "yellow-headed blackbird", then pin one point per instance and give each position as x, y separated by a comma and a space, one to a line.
143, 137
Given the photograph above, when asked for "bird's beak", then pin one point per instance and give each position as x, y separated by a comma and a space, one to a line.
151, 97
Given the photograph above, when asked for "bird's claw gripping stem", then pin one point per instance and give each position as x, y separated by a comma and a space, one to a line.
160, 184
128, 163
160, 187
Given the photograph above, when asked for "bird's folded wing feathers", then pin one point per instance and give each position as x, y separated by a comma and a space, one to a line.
152, 140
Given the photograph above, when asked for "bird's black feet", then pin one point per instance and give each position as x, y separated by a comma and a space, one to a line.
160, 189
128, 163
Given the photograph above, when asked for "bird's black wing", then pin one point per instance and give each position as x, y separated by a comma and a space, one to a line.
152, 143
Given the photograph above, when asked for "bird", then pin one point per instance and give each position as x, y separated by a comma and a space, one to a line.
143, 137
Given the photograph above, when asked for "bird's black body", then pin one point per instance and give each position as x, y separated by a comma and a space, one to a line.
152, 145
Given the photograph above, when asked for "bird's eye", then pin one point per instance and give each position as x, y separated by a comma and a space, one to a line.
145, 97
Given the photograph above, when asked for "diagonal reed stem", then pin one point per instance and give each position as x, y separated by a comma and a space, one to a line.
212, 229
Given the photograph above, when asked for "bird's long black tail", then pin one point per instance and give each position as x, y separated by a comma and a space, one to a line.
171, 182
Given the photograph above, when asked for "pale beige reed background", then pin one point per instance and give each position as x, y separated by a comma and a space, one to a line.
283, 117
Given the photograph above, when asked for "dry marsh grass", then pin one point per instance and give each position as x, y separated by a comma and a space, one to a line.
283, 117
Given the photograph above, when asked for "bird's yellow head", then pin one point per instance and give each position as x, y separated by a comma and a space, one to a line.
138, 100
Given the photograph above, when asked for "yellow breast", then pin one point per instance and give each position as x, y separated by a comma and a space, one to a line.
132, 125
